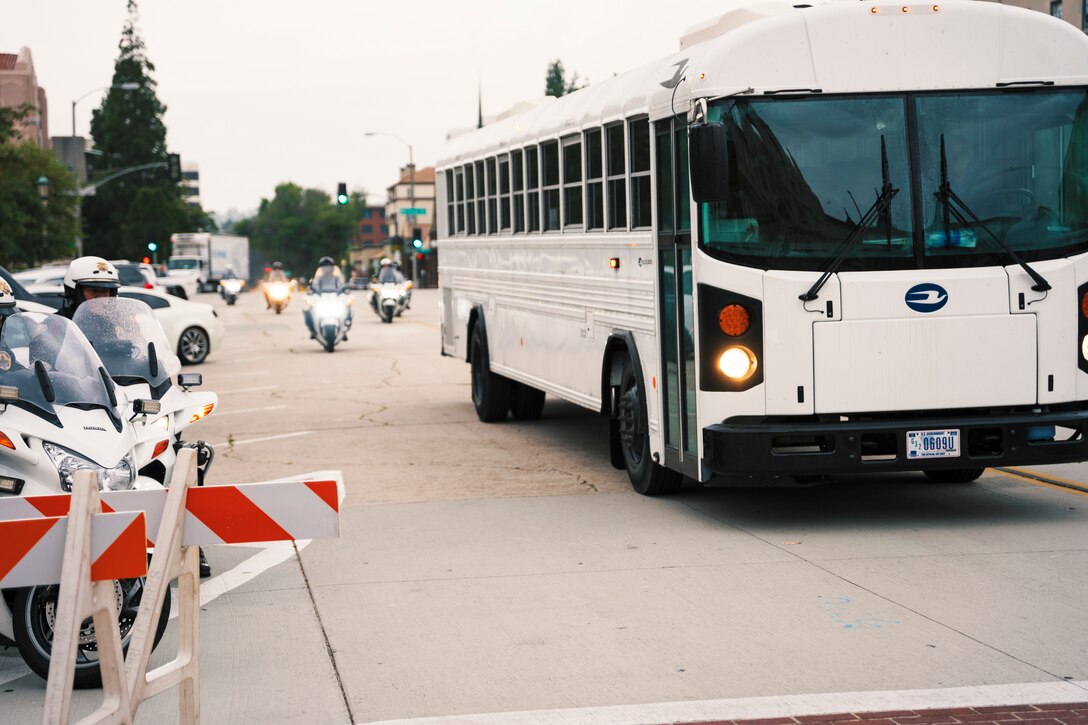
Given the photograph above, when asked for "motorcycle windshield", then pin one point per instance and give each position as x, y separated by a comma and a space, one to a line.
130, 341
50, 361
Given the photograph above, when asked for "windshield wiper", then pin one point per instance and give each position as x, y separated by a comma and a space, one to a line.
879, 210
953, 205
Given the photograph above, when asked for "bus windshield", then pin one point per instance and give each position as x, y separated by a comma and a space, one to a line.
804, 171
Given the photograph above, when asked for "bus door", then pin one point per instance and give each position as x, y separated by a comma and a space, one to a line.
677, 314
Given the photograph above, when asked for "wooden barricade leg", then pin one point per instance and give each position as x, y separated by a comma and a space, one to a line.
78, 598
170, 560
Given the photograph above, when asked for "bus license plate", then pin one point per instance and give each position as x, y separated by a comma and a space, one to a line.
933, 444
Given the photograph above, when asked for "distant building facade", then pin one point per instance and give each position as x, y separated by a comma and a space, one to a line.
371, 236
415, 190
190, 183
18, 86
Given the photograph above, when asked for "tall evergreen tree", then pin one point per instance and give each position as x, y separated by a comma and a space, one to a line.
555, 81
129, 131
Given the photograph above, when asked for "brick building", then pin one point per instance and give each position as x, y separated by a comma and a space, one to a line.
19, 85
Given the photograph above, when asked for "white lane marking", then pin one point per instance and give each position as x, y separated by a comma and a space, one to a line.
750, 708
221, 413
270, 555
247, 390
266, 438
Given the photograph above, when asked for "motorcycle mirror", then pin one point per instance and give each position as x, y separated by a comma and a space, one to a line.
9, 393
189, 380
146, 407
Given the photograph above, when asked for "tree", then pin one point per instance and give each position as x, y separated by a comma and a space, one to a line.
555, 83
129, 131
31, 231
299, 226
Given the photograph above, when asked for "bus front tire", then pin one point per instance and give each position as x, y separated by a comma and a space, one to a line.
490, 391
954, 475
647, 477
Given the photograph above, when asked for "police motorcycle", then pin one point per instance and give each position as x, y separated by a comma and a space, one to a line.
229, 289
389, 299
60, 413
133, 347
328, 315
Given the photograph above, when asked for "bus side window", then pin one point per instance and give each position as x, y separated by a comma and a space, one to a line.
594, 184
640, 173
617, 177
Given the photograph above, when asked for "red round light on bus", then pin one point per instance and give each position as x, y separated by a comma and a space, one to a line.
1084, 304
734, 320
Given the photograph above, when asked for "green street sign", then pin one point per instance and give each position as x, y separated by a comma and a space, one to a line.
413, 211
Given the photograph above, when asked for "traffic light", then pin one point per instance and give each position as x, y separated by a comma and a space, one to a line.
151, 246
341, 193
417, 237
173, 167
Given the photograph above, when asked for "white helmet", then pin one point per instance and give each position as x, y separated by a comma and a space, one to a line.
7, 299
91, 272
386, 261
87, 272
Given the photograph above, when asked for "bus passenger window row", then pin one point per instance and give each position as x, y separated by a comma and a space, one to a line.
581, 182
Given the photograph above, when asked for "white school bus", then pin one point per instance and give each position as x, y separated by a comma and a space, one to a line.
819, 239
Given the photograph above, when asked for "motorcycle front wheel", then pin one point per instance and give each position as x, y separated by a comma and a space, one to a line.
35, 614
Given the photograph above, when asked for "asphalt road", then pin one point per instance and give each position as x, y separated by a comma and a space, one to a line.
508, 569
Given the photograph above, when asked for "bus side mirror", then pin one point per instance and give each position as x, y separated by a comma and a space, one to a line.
709, 162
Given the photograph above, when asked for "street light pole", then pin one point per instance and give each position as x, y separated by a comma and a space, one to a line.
131, 86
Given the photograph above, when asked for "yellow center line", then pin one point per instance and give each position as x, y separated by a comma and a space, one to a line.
1060, 484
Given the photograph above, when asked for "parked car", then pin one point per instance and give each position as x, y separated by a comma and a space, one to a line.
185, 283
51, 274
193, 328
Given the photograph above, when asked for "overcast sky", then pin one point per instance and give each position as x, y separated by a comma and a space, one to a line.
258, 93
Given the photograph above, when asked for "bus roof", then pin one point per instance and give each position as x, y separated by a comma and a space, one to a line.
826, 46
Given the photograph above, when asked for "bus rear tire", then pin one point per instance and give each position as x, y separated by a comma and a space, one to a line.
647, 477
526, 402
490, 391
954, 475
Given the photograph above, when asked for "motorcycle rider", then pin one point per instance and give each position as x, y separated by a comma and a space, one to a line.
327, 278
86, 279
388, 274
275, 275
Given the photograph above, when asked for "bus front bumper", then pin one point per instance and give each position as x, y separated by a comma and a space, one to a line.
807, 447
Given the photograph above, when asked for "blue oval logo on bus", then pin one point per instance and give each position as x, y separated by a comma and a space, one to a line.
926, 297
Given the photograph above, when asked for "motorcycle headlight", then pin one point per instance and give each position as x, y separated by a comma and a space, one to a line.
329, 308
119, 478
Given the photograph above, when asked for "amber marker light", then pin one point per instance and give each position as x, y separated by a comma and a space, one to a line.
1084, 304
905, 8
734, 320
614, 262
160, 448
202, 413
874, 10
936, 8
6, 442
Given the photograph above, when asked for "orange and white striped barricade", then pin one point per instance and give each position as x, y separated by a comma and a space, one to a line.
182, 517
84, 552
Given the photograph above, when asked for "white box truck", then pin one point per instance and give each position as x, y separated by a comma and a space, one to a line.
207, 257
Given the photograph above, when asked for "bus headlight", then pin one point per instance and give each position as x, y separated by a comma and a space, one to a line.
1084, 347
737, 363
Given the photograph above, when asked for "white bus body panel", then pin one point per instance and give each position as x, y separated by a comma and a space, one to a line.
876, 365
